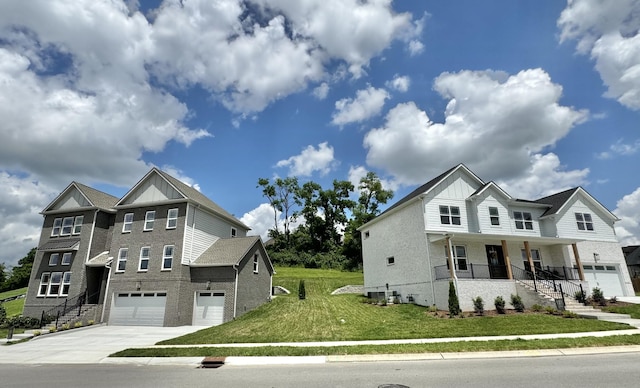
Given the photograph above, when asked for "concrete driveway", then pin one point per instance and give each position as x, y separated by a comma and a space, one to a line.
87, 345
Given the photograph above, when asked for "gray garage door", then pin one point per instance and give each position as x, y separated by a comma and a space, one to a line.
138, 309
605, 277
209, 308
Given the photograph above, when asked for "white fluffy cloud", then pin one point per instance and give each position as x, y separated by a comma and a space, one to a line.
321, 91
620, 148
610, 34
310, 160
261, 220
367, 103
497, 124
399, 83
628, 210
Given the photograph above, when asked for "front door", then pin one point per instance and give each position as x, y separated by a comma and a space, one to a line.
495, 258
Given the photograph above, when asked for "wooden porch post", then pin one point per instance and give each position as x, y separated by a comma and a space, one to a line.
529, 258
452, 270
578, 261
507, 260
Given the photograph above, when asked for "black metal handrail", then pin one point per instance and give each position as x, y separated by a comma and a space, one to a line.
550, 281
66, 307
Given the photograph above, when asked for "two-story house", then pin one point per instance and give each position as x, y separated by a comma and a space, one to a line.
458, 227
162, 255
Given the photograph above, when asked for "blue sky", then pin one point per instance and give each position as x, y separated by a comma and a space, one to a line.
537, 96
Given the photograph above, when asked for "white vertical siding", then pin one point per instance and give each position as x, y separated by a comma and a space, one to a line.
73, 200
154, 189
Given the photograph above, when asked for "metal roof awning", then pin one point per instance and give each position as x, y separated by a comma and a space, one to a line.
100, 260
61, 245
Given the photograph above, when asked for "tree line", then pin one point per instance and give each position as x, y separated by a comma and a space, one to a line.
327, 220
18, 276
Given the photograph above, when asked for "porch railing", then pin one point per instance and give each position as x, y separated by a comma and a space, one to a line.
549, 283
473, 271
69, 305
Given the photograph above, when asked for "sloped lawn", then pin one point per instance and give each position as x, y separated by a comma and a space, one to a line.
325, 317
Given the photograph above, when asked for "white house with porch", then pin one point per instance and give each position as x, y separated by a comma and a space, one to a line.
458, 227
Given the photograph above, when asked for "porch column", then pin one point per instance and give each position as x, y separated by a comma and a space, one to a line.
507, 260
452, 270
529, 258
578, 262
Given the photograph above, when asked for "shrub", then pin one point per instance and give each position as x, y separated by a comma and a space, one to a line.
77, 324
433, 308
516, 302
569, 314
3, 314
580, 296
65, 327
302, 293
550, 310
536, 308
499, 303
90, 322
478, 305
598, 297
454, 304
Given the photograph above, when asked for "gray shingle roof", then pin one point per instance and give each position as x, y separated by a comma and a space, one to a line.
98, 198
60, 245
226, 252
556, 201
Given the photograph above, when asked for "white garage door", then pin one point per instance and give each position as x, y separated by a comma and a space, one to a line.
138, 309
605, 277
209, 308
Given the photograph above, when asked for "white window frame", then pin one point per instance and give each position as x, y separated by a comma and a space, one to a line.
57, 227
127, 223
447, 216
168, 257
123, 253
144, 258
77, 225
458, 258
66, 284
54, 259
584, 222
172, 218
149, 220
66, 258
494, 219
256, 257
234, 232
45, 278
55, 287
67, 226
521, 220
535, 257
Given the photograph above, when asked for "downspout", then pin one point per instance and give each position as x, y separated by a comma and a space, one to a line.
430, 265
235, 292
93, 228
106, 291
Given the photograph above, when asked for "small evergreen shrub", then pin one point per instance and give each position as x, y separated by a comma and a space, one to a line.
499, 303
516, 302
454, 304
580, 296
536, 308
433, 308
478, 305
302, 293
598, 297
550, 310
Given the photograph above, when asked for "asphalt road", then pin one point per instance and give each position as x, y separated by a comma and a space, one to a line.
602, 370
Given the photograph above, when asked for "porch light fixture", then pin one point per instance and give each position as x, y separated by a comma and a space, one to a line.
596, 257
138, 286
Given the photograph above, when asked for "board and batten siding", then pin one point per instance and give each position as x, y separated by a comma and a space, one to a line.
452, 191
568, 228
73, 200
154, 189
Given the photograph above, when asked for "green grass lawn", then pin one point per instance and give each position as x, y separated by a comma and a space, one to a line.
325, 317
15, 306
633, 310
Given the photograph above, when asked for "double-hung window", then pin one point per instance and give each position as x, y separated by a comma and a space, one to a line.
53, 259
127, 223
255, 263
122, 259
44, 283
523, 220
172, 218
450, 215
149, 218
144, 259
77, 224
494, 216
584, 221
57, 226
459, 257
67, 226
167, 258
535, 257
66, 258
66, 283
54, 284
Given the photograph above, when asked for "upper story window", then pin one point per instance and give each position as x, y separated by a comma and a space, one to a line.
57, 226
584, 221
149, 218
535, 258
54, 284
77, 224
255, 263
122, 259
234, 232
167, 258
172, 218
459, 257
66, 284
523, 220
53, 259
127, 223
450, 215
67, 226
494, 215
66, 258
44, 283
144, 259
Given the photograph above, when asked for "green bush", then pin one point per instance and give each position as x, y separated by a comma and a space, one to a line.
499, 303
302, 293
454, 304
550, 310
516, 302
569, 314
3, 314
478, 305
598, 297
536, 308
580, 296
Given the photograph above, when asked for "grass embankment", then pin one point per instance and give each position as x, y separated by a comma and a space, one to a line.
13, 307
325, 317
632, 310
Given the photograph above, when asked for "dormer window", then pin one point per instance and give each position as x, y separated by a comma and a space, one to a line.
584, 221
494, 216
450, 215
523, 220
